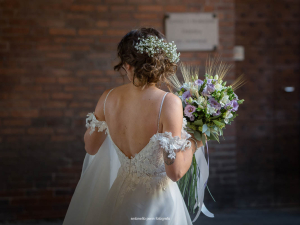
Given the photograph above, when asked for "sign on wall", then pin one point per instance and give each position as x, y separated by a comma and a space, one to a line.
192, 31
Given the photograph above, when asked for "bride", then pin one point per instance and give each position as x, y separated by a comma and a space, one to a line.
136, 144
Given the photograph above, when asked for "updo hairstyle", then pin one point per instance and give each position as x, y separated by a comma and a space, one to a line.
147, 69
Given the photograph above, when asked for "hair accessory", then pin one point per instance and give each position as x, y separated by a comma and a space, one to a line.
152, 44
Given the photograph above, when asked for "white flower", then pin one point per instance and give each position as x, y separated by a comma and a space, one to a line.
218, 87
200, 101
193, 89
228, 115
188, 86
225, 100
152, 44
210, 109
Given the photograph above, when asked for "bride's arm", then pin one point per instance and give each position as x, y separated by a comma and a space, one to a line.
172, 119
94, 141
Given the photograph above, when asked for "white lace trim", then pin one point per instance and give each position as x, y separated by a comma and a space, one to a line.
172, 144
92, 122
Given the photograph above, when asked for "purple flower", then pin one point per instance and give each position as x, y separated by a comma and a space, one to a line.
209, 81
188, 110
214, 103
232, 104
199, 82
205, 92
210, 88
217, 113
192, 118
228, 105
235, 105
186, 95
236, 97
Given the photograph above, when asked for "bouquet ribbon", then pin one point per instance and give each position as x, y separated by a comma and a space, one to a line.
203, 167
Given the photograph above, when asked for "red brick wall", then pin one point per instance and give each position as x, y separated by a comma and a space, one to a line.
268, 126
56, 60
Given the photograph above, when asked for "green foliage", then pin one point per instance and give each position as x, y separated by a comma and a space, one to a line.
203, 140
192, 126
204, 128
219, 124
198, 122
240, 101
188, 185
215, 117
202, 86
197, 135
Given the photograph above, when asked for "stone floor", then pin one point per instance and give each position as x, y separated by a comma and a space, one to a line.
233, 217
253, 217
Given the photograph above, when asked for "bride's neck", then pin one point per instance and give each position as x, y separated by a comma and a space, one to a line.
132, 87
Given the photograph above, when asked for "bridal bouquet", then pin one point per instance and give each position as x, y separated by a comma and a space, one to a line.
208, 105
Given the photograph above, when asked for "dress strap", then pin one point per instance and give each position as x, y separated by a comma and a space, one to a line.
105, 102
160, 110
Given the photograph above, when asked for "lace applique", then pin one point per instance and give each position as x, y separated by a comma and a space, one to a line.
151, 184
172, 144
145, 168
92, 122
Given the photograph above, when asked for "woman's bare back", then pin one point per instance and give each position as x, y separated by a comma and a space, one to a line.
132, 117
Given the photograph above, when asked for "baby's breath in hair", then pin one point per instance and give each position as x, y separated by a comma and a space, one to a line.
152, 45
147, 70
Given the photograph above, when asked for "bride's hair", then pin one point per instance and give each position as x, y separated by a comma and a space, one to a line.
147, 69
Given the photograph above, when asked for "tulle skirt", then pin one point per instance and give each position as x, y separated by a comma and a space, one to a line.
96, 194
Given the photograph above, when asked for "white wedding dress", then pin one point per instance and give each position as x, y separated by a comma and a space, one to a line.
115, 189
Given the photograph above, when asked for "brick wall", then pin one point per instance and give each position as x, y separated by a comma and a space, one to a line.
268, 125
56, 60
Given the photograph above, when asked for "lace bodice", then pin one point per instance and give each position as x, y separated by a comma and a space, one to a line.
146, 167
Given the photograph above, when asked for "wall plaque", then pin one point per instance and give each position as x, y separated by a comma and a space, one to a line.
192, 31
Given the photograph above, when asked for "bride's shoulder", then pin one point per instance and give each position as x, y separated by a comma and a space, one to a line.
99, 110
172, 102
103, 96
172, 114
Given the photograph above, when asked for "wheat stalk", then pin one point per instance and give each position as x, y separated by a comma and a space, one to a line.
174, 82
214, 66
240, 81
